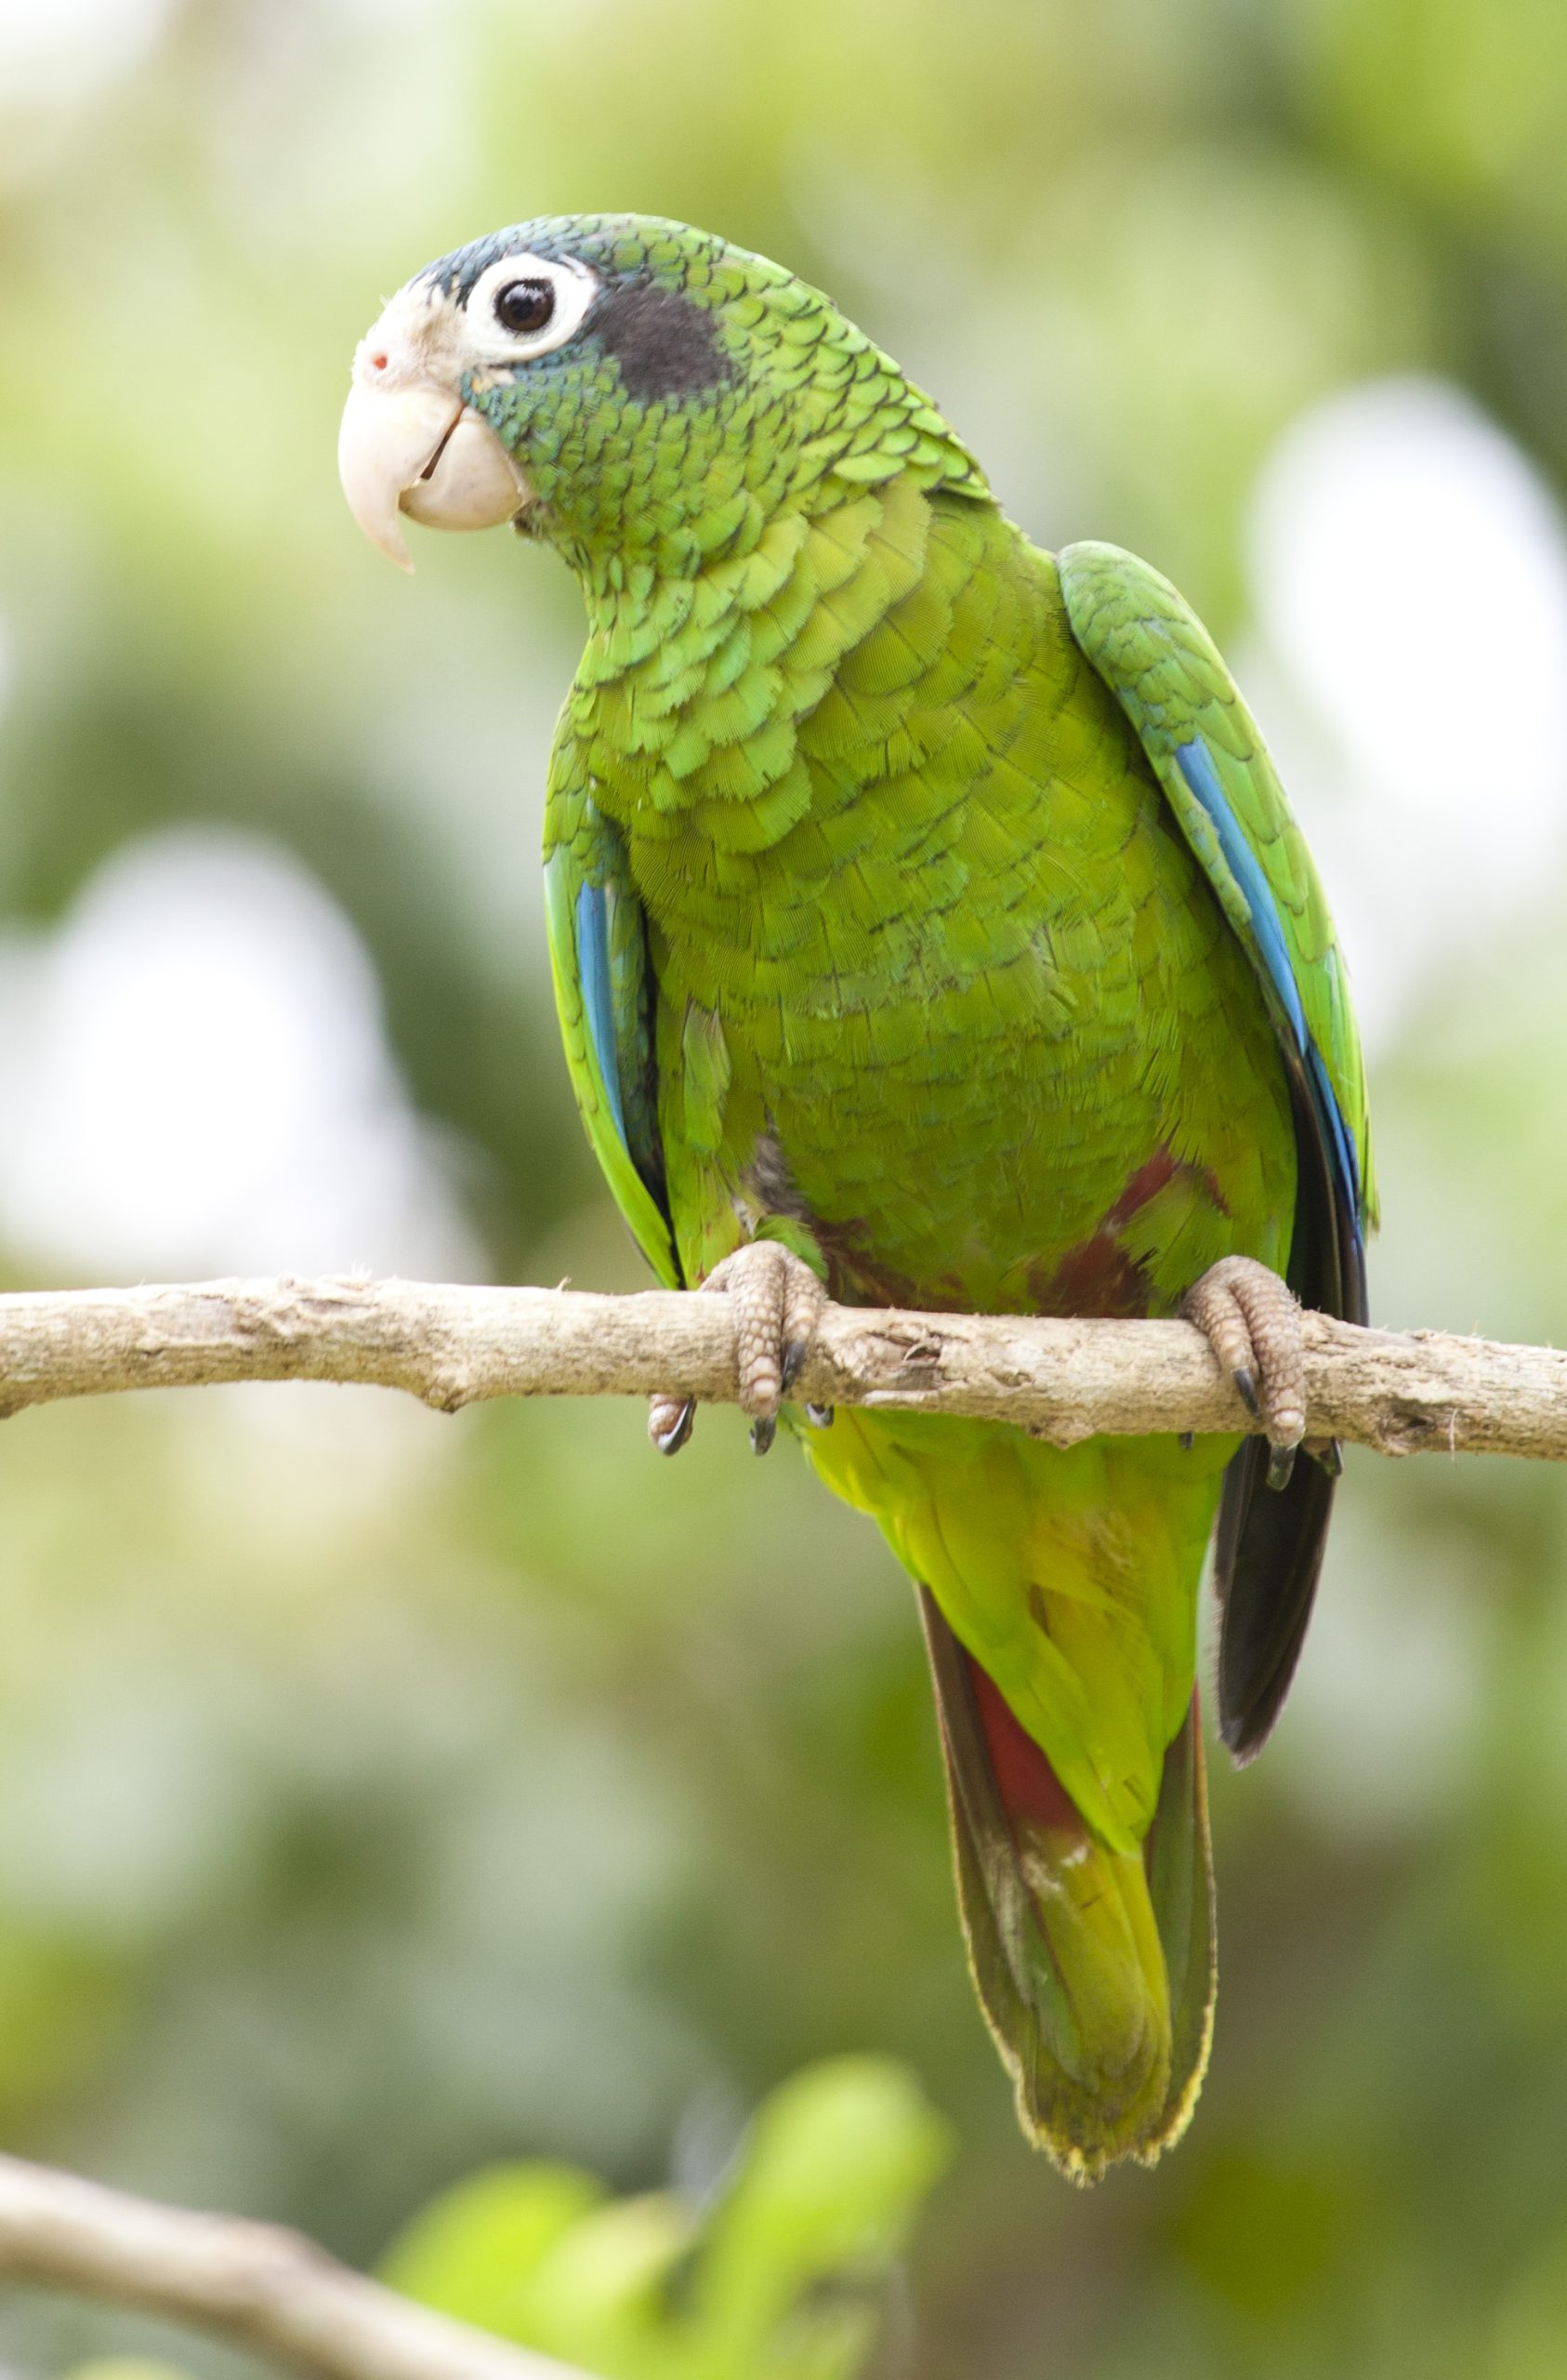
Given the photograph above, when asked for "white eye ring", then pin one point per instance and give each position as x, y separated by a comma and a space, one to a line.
491, 343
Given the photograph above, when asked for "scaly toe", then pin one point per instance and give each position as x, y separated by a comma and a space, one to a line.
1252, 1321
777, 1302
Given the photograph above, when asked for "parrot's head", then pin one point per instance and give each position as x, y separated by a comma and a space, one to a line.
627, 388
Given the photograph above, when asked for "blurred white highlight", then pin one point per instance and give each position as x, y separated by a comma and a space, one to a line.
62, 49
194, 1080
1409, 570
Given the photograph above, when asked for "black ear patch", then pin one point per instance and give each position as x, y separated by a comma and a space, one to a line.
665, 344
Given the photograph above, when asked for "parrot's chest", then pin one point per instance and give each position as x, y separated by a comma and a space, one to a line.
1030, 1092
949, 1001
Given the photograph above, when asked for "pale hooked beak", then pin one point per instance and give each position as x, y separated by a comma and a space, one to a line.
408, 446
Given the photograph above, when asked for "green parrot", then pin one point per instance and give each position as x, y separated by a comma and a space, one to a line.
929, 928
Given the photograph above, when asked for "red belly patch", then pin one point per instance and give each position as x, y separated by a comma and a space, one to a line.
1025, 1782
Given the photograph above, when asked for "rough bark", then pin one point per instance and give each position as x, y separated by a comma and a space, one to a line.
452, 1346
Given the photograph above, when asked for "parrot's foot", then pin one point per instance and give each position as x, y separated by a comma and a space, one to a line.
1251, 1320
777, 1302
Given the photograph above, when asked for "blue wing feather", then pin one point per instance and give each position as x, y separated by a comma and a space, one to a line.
598, 1000
605, 993
1196, 765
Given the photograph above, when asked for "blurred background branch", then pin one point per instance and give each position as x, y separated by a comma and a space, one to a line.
252, 2283
457, 1344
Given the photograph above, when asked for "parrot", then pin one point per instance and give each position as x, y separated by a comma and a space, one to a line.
928, 929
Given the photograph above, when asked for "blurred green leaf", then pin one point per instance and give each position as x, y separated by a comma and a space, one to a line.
781, 2277
602, 2297
835, 2169
475, 2250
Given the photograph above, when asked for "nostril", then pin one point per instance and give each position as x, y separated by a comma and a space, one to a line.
378, 362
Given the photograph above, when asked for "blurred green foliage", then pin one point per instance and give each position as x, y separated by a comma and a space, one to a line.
384, 1798
779, 2278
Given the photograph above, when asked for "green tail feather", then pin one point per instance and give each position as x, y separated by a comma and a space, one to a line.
1094, 1967
1179, 1860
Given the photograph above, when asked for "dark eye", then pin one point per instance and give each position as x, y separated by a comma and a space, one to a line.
525, 305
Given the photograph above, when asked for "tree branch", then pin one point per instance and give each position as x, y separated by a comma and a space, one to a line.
249, 2283
452, 1346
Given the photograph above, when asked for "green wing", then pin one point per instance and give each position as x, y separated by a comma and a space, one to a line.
1162, 667
604, 993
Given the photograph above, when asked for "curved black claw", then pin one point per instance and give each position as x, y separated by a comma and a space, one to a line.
819, 1416
1281, 1467
669, 1421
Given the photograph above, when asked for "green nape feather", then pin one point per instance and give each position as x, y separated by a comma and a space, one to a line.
939, 914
